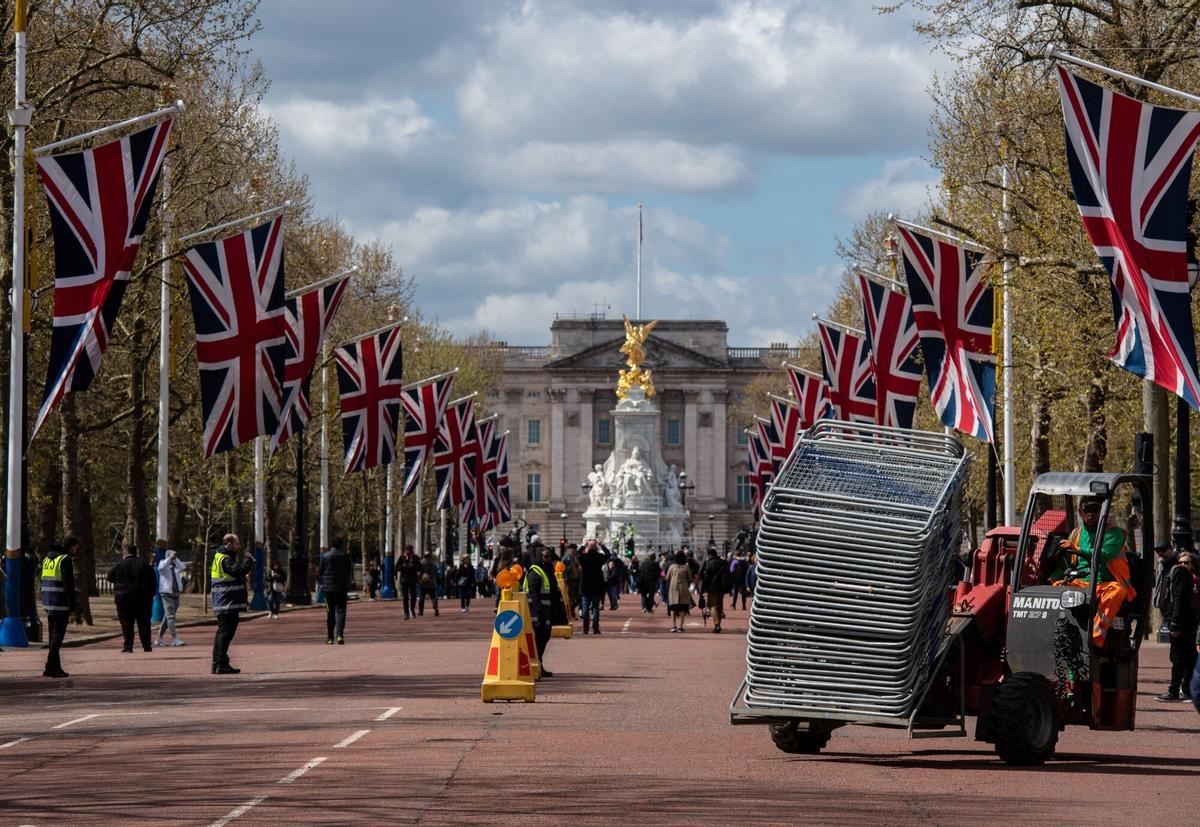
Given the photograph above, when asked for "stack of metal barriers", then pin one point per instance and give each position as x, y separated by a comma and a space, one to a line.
855, 559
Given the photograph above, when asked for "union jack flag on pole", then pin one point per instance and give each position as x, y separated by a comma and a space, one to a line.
786, 419
370, 377
953, 308
846, 364
1130, 163
499, 458
812, 395
762, 471
425, 405
236, 289
454, 454
99, 200
308, 317
892, 333
484, 501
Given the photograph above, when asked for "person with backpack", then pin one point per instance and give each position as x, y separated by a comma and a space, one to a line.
1182, 615
738, 569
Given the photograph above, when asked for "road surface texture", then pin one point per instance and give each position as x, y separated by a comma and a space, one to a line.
632, 729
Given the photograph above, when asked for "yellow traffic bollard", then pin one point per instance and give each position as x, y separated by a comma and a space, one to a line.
563, 630
508, 676
535, 665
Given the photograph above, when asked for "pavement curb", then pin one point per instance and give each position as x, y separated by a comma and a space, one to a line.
72, 643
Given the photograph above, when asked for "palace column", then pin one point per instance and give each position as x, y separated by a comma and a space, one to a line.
587, 437
691, 439
557, 457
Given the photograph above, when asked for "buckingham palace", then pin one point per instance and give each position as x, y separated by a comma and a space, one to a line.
557, 401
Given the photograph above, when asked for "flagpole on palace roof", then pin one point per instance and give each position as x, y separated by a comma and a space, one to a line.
1055, 53
639, 264
12, 628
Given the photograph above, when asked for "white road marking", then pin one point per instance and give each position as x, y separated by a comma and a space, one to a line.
256, 709
77, 721
625, 628
239, 812
294, 774
351, 739
392, 710
14, 743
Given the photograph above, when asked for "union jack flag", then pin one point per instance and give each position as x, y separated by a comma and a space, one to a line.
499, 455
425, 406
785, 419
484, 501
1130, 163
99, 202
454, 454
762, 470
846, 364
812, 395
893, 337
308, 317
236, 288
952, 305
370, 375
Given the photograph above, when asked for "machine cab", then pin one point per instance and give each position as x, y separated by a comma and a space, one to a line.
1081, 591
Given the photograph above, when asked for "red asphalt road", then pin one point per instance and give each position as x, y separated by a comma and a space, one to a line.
632, 729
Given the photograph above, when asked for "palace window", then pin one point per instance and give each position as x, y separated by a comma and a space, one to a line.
744, 495
673, 432
742, 438
533, 488
535, 432
604, 432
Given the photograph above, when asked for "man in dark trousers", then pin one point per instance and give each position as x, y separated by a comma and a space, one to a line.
133, 590
591, 584
58, 599
228, 577
713, 575
408, 568
334, 573
1181, 616
545, 601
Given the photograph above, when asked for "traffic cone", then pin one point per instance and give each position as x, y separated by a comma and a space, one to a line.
535, 665
507, 675
563, 630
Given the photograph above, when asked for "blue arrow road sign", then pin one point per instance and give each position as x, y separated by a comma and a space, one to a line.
509, 624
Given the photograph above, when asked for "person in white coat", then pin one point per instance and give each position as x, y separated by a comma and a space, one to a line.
170, 586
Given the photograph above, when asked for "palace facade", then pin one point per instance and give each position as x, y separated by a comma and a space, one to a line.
557, 400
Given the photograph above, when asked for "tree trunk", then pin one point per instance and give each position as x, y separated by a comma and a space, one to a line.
1156, 413
47, 518
73, 516
1097, 443
137, 519
1040, 419
87, 541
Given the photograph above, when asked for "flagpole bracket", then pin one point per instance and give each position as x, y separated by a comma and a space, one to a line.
20, 115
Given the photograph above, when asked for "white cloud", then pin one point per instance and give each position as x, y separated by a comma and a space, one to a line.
322, 126
764, 74
905, 186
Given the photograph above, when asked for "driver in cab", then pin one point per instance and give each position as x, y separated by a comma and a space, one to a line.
1072, 566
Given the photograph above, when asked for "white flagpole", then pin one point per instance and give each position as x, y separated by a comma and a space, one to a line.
324, 531
258, 601
844, 328
639, 264
387, 513
12, 629
1010, 475
419, 541
164, 359
1055, 53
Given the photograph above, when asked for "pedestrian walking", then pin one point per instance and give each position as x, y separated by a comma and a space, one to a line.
738, 571
542, 589
570, 561
482, 584
614, 580
227, 575
429, 583
464, 581
334, 573
170, 590
276, 581
591, 584
408, 568
373, 579
58, 600
714, 574
649, 575
133, 592
679, 592
1182, 616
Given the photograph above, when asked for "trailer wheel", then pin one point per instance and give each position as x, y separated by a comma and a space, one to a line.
791, 739
1024, 721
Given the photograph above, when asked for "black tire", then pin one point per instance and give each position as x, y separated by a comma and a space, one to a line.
791, 739
1024, 720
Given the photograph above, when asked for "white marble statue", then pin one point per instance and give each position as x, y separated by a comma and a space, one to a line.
671, 488
598, 493
634, 478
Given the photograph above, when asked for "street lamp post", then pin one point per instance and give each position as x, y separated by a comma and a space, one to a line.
563, 517
712, 542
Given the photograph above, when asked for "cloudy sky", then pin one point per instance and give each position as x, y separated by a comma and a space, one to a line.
501, 147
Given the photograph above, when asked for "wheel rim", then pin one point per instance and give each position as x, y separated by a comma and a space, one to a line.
1038, 719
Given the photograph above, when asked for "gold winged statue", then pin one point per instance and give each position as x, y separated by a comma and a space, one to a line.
635, 354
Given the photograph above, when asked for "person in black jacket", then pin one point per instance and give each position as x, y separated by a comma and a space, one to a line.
591, 584
408, 568
649, 575
334, 573
133, 591
712, 583
1181, 618
58, 599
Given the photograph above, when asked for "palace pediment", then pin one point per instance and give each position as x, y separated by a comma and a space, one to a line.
661, 354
